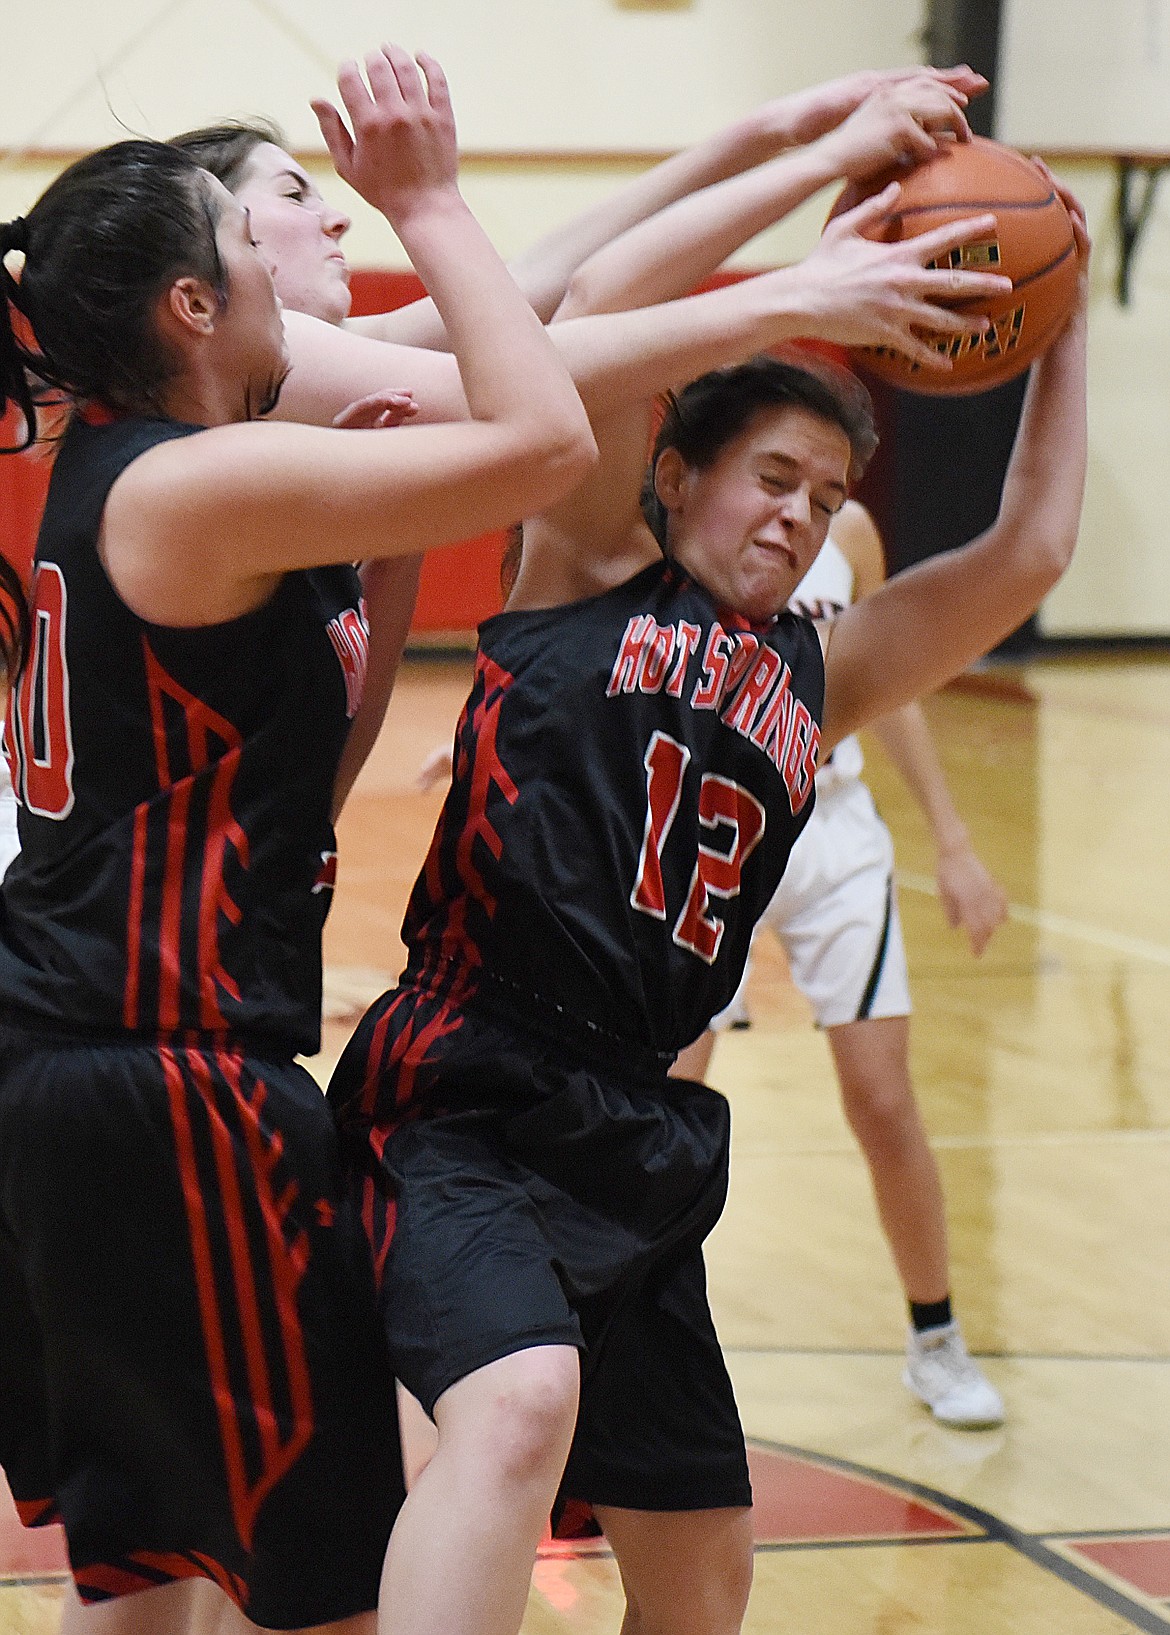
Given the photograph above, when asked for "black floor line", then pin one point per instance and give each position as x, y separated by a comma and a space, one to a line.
1032, 1546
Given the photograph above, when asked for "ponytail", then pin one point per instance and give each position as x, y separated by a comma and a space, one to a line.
100, 246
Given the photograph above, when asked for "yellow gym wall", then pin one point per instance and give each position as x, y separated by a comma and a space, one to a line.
558, 101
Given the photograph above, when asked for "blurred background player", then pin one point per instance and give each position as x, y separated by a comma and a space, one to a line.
836, 916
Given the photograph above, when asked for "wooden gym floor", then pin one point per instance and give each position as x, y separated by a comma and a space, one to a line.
1044, 1071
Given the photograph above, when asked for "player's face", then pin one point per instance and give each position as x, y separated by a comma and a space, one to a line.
748, 526
299, 232
248, 327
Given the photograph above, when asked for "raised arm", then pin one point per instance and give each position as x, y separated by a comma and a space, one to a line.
850, 289
899, 124
217, 522
941, 615
545, 271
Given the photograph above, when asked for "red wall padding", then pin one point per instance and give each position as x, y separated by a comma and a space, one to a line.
23, 481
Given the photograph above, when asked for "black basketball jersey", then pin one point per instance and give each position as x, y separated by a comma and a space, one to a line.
631, 772
175, 787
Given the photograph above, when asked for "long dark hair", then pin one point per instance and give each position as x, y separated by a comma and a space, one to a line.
100, 246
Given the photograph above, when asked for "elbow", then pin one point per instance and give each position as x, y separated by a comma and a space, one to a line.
1050, 555
572, 455
553, 461
1037, 555
583, 297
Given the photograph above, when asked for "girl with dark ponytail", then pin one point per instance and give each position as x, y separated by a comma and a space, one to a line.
192, 1375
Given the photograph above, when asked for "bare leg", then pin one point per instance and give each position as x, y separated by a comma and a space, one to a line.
693, 1062
419, 1436
193, 1606
461, 1554
872, 1058
685, 1572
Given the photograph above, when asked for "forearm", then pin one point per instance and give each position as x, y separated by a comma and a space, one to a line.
487, 319
544, 271
953, 608
905, 737
666, 256
619, 357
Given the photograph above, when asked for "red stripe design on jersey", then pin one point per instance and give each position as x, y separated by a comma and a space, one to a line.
223, 834
37, 1512
403, 1037
171, 917
147, 1569
215, 899
379, 1218
398, 1067
134, 920
480, 768
230, 1295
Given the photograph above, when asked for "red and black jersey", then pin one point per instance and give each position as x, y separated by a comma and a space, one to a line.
175, 788
631, 772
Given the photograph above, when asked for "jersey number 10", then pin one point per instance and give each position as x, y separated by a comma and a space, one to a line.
38, 737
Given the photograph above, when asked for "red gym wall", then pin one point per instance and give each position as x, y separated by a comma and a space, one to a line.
460, 585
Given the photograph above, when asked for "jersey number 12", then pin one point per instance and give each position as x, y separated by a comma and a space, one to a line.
723, 805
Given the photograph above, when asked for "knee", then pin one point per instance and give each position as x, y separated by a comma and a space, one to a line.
882, 1111
521, 1415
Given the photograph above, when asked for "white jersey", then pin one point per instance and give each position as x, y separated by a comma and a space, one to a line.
825, 591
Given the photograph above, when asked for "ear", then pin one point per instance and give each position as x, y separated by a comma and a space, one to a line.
671, 477
191, 306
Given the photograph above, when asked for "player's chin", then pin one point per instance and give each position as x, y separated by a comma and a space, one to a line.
340, 298
763, 595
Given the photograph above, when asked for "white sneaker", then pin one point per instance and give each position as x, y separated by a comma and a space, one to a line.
940, 1372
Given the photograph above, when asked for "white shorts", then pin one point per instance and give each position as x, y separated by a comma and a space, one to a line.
9, 839
836, 914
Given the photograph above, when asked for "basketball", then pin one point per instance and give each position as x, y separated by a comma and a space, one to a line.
1033, 244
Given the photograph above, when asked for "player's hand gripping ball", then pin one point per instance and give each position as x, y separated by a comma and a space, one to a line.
1033, 244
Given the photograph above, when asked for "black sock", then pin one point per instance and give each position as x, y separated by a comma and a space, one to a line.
931, 1314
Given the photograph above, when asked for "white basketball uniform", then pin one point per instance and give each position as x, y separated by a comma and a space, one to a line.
835, 910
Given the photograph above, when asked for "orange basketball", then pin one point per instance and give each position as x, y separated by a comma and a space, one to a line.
1033, 244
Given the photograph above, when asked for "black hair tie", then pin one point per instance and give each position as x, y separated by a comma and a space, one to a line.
14, 236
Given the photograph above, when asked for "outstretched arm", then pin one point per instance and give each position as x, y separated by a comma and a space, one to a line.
203, 533
849, 289
544, 272
941, 615
898, 125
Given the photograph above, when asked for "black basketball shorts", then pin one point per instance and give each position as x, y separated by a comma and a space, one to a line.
523, 1195
193, 1378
